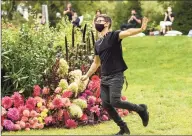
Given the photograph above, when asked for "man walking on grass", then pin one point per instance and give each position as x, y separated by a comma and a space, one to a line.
108, 55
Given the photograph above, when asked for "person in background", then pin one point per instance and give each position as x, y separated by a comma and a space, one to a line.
109, 55
168, 20
75, 20
69, 11
133, 21
97, 13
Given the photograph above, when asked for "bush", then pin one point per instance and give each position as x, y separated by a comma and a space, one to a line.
25, 55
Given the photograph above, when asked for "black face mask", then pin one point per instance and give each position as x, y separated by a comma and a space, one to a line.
99, 27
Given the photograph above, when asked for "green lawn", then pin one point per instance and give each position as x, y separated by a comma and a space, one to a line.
160, 75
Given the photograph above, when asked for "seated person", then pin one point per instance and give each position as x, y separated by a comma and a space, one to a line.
75, 20
133, 21
69, 11
168, 20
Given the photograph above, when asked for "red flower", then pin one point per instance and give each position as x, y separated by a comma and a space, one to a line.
7, 102
67, 94
57, 102
94, 85
31, 103
95, 78
66, 115
17, 99
84, 117
70, 123
36, 90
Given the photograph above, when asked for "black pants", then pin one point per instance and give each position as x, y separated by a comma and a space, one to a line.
127, 26
111, 87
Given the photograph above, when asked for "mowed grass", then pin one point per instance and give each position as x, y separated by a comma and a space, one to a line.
159, 75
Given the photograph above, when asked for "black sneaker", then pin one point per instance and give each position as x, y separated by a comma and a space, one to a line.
144, 115
124, 130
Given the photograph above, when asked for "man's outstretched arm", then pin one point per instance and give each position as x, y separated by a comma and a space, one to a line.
134, 31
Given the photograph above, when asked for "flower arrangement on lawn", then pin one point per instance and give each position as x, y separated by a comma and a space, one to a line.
72, 103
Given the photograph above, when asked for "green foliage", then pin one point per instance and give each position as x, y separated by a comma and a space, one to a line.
154, 11
26, 53
183, 17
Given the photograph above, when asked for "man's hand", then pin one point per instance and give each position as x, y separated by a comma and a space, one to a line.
166, 14
144, 23
84, 77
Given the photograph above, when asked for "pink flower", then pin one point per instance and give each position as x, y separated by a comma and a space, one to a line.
35, 125
31, 121
91, 100
98, 100
13, 114
58, 90
84, 117
27, 125
35, 119
88, 92
67, 94
57, 102
123, 98
17, 99
104, 118
36, 90
66, 102
26, 113
95, 109
22, 124
9, 125
51, 106
45, 90
70, 123
33, 113
121, 113
21, 109
17, 127
82, 97
48, 120
7, 102
125, 112
24, 119
27, 129
31, 103
41, 126
39, 99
